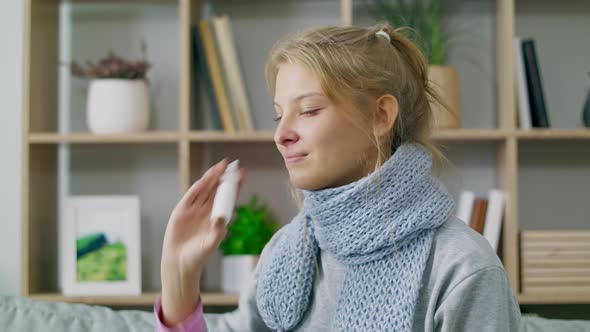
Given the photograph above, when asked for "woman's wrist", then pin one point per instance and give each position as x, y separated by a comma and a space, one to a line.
180, 293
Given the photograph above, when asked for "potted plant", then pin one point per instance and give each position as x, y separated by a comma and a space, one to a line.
251, 229
118, 99
425, 18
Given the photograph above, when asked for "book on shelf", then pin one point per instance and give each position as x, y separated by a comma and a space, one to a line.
217, 59
483, 214
216, 75
465, 206
493, 218
534, 82
522, 95
232, 75
201, 76
480, 206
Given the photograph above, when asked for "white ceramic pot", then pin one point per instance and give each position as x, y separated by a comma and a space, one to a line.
445, 80
117, 106
237, 272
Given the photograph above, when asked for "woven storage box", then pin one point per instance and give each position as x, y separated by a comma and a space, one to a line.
555, 261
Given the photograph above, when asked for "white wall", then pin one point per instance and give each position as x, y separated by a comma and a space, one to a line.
11, 35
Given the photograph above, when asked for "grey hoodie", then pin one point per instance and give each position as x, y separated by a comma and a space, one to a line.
465, 288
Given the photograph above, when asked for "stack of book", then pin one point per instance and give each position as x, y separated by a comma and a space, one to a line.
555, 261
483, 214
532, 111
216, 65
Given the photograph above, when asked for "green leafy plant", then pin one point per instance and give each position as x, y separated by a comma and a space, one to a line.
424, 17
251, 229
113, 66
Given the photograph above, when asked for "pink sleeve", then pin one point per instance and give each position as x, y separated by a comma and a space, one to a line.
193, 323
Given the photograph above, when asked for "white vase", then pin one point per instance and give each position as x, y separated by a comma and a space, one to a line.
237, 272
117, 106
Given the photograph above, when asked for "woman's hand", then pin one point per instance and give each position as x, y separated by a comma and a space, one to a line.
189, 240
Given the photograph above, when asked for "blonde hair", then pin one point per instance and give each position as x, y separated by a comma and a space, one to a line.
354, 65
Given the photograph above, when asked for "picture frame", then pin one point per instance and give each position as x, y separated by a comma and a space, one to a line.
100, 246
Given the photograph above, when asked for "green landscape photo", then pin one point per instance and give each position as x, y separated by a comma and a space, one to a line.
100, 260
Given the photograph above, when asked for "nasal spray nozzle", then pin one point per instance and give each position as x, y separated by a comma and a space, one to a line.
225, 198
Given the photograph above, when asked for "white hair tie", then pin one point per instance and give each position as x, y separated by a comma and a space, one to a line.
384, 34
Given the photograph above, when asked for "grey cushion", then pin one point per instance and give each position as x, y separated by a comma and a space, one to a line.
23, 314
539, 324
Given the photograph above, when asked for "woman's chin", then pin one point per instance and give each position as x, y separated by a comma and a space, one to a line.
305, 182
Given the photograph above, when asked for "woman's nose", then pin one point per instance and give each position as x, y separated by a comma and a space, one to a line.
285, 133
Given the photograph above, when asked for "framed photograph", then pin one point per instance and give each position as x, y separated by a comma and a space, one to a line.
101, 246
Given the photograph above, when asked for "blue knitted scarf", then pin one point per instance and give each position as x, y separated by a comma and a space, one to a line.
380, 227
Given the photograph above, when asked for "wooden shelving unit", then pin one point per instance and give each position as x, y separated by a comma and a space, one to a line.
554, 134
41, 139
87, 138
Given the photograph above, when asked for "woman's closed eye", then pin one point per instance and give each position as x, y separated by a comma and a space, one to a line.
305, 112
311, 111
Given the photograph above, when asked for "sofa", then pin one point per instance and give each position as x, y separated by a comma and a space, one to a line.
23, 314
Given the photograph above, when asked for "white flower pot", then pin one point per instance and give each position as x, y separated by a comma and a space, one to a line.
117, 106
237, 272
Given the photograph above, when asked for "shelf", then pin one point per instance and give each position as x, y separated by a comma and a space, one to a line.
471, 134
140, 2
268, 135
214, 136
555, 298
145, 299
88, 138
542, 134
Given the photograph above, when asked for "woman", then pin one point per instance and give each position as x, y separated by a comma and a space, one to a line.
376, 246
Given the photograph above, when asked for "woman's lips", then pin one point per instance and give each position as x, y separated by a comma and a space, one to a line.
294, 157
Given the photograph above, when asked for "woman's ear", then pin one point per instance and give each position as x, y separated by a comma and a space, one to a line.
387, 110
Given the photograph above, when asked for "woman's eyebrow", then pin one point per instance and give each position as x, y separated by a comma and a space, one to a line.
305, 95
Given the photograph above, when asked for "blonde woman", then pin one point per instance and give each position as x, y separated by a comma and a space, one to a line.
376, 246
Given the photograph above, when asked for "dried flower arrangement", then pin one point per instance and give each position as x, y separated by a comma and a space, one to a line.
114, 66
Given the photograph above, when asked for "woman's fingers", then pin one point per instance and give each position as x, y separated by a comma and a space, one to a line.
198, 188
209, 190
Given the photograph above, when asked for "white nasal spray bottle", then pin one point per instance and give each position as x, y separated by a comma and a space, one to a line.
225, 198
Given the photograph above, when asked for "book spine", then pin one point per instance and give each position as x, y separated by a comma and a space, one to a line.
524, 109
535, 85
493, 218
465, 206
478, 216
216, 76
202, 71
235, 80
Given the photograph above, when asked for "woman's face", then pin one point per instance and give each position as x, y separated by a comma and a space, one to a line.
321, 147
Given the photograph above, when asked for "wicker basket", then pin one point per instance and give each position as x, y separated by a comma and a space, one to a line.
555, 261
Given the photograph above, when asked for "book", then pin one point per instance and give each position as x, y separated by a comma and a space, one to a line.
232, 74
539, 117
524, 109
201, 74
216, 75
493, 217
465, 206
477, 222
